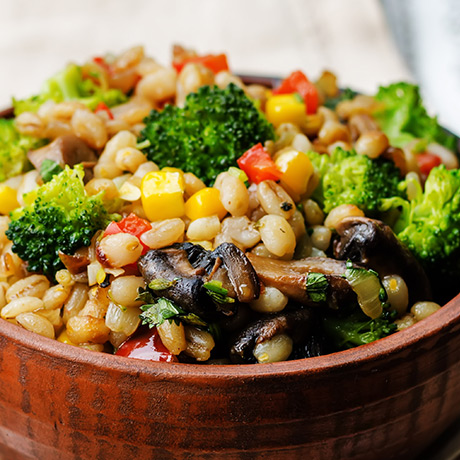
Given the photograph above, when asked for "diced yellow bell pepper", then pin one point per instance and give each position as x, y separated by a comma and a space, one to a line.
204, 203
297, 170
285, 108
64, 338
8, 199
162, 195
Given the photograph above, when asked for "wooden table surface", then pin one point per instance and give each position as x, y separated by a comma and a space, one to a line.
270, 37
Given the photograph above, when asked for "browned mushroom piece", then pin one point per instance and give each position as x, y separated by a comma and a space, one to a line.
297, 324
190, 266
7, 113
172, 264
290, 277
240, 272
373, 243
64, 150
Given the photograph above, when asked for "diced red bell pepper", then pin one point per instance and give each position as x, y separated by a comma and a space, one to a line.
297, 82
258, 165
214, 62
426, 162
131, 224
146, 344
101, 107
99, 60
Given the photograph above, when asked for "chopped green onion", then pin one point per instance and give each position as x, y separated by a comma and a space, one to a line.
217, 293
366, 284
239, 173
160, 284
143, 145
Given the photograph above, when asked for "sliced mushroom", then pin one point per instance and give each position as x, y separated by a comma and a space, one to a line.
290, 277
191, 266
64, 150
228, 264
297, 324
373, 243
240, 272
172, 264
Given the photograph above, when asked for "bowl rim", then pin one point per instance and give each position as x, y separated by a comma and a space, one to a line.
437, 324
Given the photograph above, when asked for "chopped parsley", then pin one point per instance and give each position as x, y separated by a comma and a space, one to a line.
162, 310
317, 286
49, 168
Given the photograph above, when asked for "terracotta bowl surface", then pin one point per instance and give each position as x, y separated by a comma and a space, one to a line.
387, 399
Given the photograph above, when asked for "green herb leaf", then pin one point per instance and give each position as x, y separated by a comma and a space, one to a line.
317, 286
144, 295
192, 319
157, 313
49, 168
162, 309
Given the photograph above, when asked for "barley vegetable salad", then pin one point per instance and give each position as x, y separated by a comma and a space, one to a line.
176, 213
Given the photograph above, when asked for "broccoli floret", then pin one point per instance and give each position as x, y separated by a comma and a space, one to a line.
68, 85
13, 150
354, 329
403, 117
344, 95
349, 178
429, 226
58, 216
206, 136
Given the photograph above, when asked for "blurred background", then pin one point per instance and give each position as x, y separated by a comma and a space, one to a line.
365, 42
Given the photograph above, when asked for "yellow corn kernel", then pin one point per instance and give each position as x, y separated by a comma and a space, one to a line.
296, 168
204, 203
64, 338
285, 108
8, 199
162, 195
176, 170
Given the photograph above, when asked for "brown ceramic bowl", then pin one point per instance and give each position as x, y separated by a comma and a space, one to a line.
388, 399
